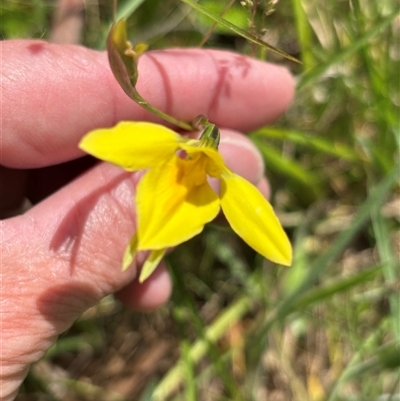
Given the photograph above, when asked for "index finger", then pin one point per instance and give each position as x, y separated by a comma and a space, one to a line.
54, 94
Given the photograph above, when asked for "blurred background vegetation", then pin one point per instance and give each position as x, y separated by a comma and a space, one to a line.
238, 327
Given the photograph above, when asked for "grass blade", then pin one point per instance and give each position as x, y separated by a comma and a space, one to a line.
237, 30
174, 377
290, 168
322, 262
128, 8
390, 266
320, 294
304, 34
306, 140
314, 74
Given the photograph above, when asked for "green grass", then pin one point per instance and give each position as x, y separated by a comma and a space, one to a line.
238, 327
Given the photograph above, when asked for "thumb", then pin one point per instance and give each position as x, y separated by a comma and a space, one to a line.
60, 258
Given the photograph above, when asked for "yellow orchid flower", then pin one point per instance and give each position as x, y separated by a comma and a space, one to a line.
174, 199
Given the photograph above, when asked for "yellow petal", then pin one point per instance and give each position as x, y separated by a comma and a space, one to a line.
151, 264
130, 252
132, 145
174, 202
253, 219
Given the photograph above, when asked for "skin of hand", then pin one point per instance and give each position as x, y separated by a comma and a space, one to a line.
64, 254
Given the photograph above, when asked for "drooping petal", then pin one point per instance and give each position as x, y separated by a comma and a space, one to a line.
151, 264
132, 145
253, 219
174, 202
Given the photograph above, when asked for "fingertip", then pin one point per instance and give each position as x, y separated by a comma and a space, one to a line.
241, 156
150, 295
75, 84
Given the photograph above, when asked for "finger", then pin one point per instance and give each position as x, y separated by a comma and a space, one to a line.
53, 95
60, 258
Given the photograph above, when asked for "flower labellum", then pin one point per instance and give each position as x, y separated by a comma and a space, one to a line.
174, 199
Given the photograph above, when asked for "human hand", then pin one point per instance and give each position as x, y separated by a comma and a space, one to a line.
65, 253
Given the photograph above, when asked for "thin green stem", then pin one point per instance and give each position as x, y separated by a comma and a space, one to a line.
152, 109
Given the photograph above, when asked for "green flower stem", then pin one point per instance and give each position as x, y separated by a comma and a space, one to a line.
152, 109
